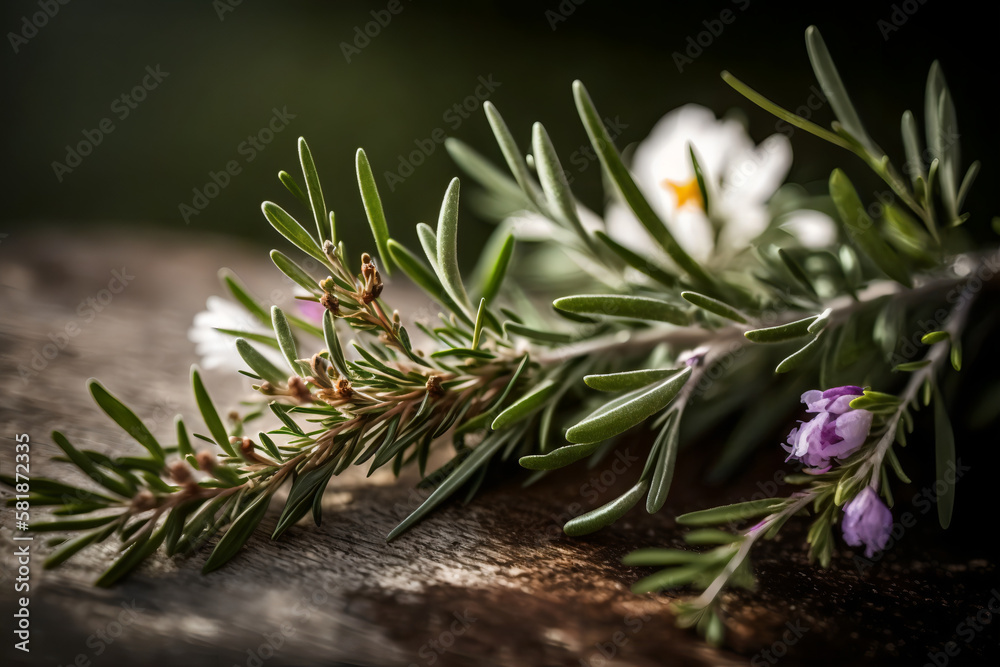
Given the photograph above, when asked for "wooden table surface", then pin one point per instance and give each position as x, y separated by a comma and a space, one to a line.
492, 583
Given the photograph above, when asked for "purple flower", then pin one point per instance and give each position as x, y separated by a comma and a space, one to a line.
693, 357
867, 521
837, 431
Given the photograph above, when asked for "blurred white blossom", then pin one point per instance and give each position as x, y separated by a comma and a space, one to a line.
740, 178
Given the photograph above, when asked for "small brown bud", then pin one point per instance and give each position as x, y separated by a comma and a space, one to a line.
266, 388
206, 461
180, 472
320, 376
434, 387
247, 449
233, 416
330, 302
329, 248
298, 389
142, 501
365, 258
344, 389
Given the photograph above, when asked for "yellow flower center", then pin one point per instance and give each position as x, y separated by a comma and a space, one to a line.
686, 192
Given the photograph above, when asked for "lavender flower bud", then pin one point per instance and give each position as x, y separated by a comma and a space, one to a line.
867, 521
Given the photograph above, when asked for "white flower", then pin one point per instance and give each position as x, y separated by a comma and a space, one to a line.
217, 349
739, 178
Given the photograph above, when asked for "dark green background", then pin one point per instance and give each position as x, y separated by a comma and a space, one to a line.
226, 76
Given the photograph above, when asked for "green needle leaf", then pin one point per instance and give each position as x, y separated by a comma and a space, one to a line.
606, 514
73, 524
666, 456
238, 533
316, 201
944, 458
290, 228
292, 186
628, 380
942, 136
286, 341
797, 271
833, 89
418, 272
240, 292
643, 265
373, 209
512, 154
560, 457
477, 331
781, 333
654, 556
526, 405
209, 414
669, 578
782, 113
700, 179
447, 245
554, 182
714, 306
794, 360
135, 554
912, 147
84, 463
303, 493
184, 448
479, 457
935, 337
861, 229
618, 305
125, 418
603, 424
297, 274
719, 515
484, 172
538, 335
68, 549
259, 364
498, 269
956, 355
428, 241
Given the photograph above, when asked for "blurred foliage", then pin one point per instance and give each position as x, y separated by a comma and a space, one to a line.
225, 76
